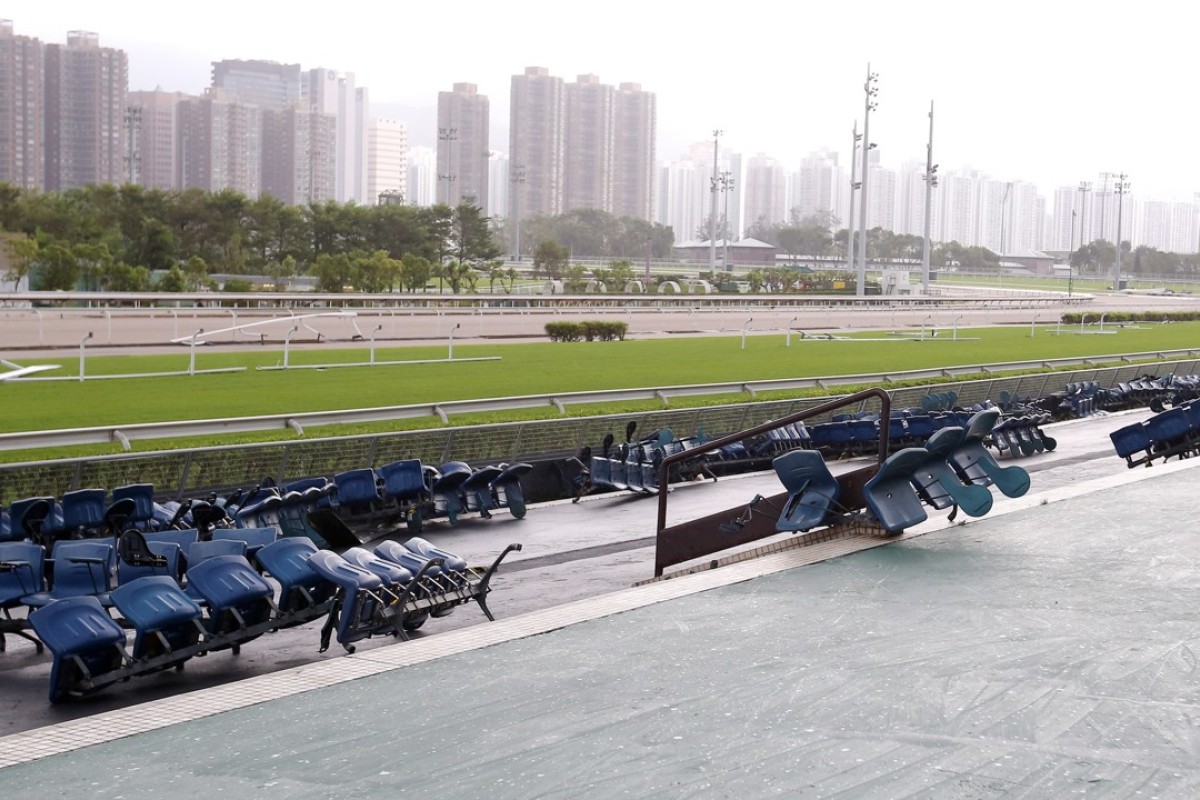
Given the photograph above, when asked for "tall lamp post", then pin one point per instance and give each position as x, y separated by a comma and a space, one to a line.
1121, 188
448, 135
871, 90
853, 189
712, 211
1070, 255
516, 175
726, 179
930, 182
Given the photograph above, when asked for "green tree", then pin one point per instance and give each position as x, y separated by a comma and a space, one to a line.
23, 254
58, 268
333, 272
117, 276
550, 260
415, 272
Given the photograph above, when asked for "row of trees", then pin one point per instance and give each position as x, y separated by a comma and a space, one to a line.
113, 238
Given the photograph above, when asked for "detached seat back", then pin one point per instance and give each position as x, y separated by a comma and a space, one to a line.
812, 490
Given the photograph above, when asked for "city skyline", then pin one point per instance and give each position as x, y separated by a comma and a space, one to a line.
1047, 93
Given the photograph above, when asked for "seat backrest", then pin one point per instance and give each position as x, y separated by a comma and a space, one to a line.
74, 626
798, 469
83, 508
82, 567
199, 552
184, 538
890, 494
391, 572
403, 479
154, 602
338, 570
22, 571
142, 495
227, 582
356, 486
943, 441
253, 538
980, 425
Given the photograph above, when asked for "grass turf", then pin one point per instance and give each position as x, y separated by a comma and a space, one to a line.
536, 368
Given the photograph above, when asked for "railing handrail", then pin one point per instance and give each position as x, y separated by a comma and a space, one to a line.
126, 433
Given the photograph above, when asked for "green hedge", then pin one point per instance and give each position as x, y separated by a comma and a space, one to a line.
1132, 316
591, 331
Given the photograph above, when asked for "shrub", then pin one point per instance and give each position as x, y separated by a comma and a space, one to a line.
564, 331
591, 331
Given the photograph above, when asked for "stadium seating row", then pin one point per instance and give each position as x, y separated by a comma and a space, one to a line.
222, 594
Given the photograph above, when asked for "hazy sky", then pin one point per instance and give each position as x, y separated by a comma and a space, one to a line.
1053, 92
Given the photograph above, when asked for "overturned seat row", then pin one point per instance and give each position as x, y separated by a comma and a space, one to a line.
418, 492
227, 600
1172, 432
953, 470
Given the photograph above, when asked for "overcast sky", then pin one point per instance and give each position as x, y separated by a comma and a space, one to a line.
1054, 92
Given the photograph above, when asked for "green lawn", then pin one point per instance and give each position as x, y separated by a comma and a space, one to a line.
536, 368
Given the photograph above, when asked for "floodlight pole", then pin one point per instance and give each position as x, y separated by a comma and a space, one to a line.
287, 343
450, 355
712, 217
82, 344
378, 328
853, 189
192, 353
1122, 188
744, 327
930, 182
870, 88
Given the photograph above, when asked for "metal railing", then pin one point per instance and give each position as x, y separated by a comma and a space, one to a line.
191, 471
299, 422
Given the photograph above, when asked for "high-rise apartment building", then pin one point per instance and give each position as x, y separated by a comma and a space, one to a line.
220, 144
813, 185
267, 84
581, 145
766, 197
298, 155
499, 179
588, 152
155, 137
422, 176
635, 131
537, 128
462, 147
387, 161
683, 198
335, 94
85, 100
21, 109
